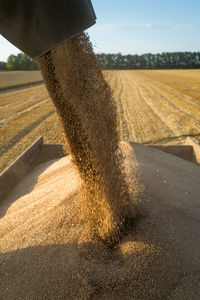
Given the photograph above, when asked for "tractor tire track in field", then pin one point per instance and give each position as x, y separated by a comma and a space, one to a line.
124, 123
148, 115
131, 105
16, 113
25, 114
168, 120
22, 133
174, 92
183, 109
176, 119
129, 115
15, 97
48, 128
184, 103
182, 115
147, 121
154, 112
126, 116
20, 103
187, 121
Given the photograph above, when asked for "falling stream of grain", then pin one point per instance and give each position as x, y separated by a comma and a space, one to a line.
87, 111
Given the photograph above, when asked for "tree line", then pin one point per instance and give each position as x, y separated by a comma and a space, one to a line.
166, 60
17, 62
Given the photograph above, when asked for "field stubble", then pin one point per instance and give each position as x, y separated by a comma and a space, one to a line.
154, 107
18, 78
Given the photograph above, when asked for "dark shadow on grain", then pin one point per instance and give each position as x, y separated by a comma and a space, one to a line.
90, 271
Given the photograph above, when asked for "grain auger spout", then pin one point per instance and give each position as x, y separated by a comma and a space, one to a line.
36, 27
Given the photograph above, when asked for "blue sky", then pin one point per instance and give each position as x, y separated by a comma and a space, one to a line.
140, 26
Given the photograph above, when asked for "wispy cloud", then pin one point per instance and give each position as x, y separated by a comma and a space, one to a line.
157, 26
111, 27
147, 26
187, 26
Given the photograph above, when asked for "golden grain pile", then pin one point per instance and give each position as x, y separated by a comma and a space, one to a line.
47, 251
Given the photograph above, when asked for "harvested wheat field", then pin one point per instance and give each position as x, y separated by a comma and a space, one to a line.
154, 107
16, 79
46, 252
25, 114
158, 107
